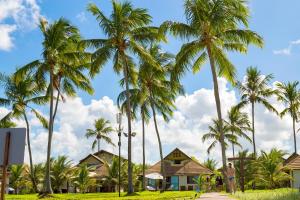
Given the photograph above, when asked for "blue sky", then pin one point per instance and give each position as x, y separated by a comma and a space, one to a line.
275, 20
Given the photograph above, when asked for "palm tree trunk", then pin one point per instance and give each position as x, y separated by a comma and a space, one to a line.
56, 104
160, 149
128, 113
98, 140
233, 154
294, 131
144, 162
48, 188
30, 155
219, 111
253, 130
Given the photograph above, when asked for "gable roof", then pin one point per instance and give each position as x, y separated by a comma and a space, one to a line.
293, 162
93, 156
188, 168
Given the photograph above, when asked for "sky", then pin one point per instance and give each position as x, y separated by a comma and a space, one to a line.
274, 20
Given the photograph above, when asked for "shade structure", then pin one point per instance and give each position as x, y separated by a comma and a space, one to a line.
155, 176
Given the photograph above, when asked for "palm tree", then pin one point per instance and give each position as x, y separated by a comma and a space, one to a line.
63, 56
83, 180
155, 92
215, 134
17, 177
271, 170
125, 29
214, 28
38, 175
239, 124
7, 123
61, 172
289, 94
253, 90
20, 95
211, 164
101, 131
137, 102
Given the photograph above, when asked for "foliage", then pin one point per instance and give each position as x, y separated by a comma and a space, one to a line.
61, 172
101, 131
211, 164
18, 179
82, 178
214, 134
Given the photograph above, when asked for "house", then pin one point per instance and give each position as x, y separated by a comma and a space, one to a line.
180, 171
293, 165
97, 162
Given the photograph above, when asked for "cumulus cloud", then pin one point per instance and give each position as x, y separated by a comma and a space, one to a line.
81, 17
16, 15
185, 130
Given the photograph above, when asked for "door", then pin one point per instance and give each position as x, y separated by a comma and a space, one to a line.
175, 182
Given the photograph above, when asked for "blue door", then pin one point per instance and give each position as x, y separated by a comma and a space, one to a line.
175, 182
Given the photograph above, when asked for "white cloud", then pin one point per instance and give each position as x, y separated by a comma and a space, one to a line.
287, 51
185, 129
81, 17
16, 15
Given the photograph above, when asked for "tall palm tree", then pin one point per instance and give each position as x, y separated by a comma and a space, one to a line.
155, 92
214, 134
61, 172
141, 104
212, 28
125, 29
255, 89
62, 50
20, 95
101, 131
289, 94
239, 124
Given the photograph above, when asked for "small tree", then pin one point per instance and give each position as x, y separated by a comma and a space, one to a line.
83, 180
61, 172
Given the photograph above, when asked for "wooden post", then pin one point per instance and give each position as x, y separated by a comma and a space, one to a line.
4, 166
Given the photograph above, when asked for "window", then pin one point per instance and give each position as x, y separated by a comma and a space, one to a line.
177, 154
177, 162
190, 180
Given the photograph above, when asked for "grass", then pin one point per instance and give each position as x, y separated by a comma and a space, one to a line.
278, 194
112, 196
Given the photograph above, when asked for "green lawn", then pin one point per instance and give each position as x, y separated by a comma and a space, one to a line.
112, 196
278, 194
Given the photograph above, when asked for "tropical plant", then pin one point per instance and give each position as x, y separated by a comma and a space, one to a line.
271, 170
38, 175
155, 92
239, 124
253, 90
125, 29
111, 179
61, 172
20, 96
18, 177
214, 28
101, 131
63, 59
214, 134
7, 123
211, 164
289, 94
83, 180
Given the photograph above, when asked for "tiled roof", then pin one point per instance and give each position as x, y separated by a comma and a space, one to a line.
293, 162
188, 167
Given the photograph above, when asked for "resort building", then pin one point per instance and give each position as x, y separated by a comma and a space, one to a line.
98, 164
181, 170
293, 165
